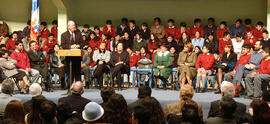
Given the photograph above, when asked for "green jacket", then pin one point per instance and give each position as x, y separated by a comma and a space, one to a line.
163, 59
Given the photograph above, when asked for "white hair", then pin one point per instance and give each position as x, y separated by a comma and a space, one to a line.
35, 89
227, 88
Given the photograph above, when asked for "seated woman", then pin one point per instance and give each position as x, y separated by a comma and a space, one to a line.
143, 53
8, 65
163, 65
204, 66
186, 64
153, 43
57, 65
229, 59
197, 50
91, 52
184, 39
120, 63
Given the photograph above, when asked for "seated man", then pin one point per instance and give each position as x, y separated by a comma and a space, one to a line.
204, 66
23, 62
49, 44
143, 91
256, 80
75, 99
37, 61
227, 89
252, 66
101, 58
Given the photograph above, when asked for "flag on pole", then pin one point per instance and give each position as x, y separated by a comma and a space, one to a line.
34, 21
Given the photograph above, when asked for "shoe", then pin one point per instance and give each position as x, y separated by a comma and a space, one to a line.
238, 88
197, 90
218, 91
202, 90
236, 94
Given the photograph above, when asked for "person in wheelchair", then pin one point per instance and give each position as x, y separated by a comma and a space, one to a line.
8, 66
101, 58
57, 65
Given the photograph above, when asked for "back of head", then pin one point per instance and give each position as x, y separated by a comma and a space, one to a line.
227, 89
35, 89
227, 105
35, 109
106, 92
14, 110
186, 92
190, 111
243, 118
77, 88
48, 111
8, 121
144, 91
74, 120
64, 111
7, 86
261, 111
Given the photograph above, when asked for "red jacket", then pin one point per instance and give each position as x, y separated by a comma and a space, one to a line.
252, 39
108, 44
243, 60
205, 61
21, 58
92, 63
193, 30
220, 33
221, 45
99, 35
111, 33
179, 34
171, 31
264, 67
11, 44
133, 59
248, 27
49, 45
44, 33
94, 44
55, 32
258, 33
152, 45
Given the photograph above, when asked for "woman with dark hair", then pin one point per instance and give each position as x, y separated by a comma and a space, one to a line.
170, 42
57, 65
227, 63
186, 64
153, 43
33, 117
183, 39
144, 53
14, 110
91, 52
116, 110
260, 112
197, 50
198, 40
93, 40
8, 65
149, 112
138, 43
212, 42
104, 38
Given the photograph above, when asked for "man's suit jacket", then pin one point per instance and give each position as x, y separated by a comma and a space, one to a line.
4, 100
214, 108
132, 106
67, 40
77, 102
220, 120
36, 59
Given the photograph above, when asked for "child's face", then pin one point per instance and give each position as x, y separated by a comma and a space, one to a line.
205, 50
19, 47
172, 50
152, 37
92, 36
210, 37
244, 51
249, 34
54, 25
265, 55
169, 39
15, 36
142, 50
143, 27
96, 31
227, 37
239, 39
221, 26
198, 24
131, 25
197, 35
227, 49
184, 36
89, 49
216, 56
237, 24
50, 38
197, 50
170, 24
85, 29
138, 36
265, 35
259, 27
126, 35
103, 37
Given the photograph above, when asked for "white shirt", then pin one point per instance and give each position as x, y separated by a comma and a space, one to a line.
237, 46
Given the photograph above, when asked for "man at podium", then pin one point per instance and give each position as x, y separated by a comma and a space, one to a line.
72, 39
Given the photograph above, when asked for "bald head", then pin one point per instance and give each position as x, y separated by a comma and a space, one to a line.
71, 26
35, 89
227, 88
77, 87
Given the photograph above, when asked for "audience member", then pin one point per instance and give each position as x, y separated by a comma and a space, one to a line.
260, 112
33, 117
237, 28
64, 112
92, 113
198, 40
35, 90
143, 91
157, 29
48, 112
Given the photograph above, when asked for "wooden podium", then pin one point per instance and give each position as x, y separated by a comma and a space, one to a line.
71, 53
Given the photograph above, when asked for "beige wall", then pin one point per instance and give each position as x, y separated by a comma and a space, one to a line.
95, 12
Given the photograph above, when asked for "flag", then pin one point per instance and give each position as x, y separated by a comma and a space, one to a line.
34, 21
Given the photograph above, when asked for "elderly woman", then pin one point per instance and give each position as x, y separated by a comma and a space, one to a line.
186, 93
186, 64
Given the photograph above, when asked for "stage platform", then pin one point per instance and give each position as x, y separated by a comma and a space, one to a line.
163, 96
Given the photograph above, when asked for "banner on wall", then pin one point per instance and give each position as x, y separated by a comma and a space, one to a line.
34, 32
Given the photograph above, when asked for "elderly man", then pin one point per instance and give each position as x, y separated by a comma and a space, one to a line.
75, 99
186, 93
227, 89
72, 39
6, 95
34, 90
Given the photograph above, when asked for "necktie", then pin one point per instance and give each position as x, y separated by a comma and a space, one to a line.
73, 36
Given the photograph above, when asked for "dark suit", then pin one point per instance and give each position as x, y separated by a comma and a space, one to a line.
132, 106
66, 42
77, 102
214, 108
220, 120
37, 61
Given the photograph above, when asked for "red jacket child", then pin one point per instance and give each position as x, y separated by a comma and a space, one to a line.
92, 63
109, 33
133, 59
221, 45
193, 30
11, 44
44, 33
264, 67
179, 33
258, 33
94, 44
153, 45
220, 33
49, 45
243, 60
249, 28
21, 58
205, 61
171, 31
55, 32
250, 40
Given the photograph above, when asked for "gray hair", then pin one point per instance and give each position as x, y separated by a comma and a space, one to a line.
7, 86
77, 88
35, 89
227, 88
